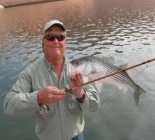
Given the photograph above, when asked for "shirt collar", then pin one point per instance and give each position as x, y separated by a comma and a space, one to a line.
50, 65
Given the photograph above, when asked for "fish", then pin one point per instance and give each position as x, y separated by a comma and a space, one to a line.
94, 67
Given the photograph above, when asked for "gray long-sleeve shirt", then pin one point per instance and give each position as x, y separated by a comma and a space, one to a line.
65, 118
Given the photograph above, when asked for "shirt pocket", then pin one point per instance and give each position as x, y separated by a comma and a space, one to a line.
73, 105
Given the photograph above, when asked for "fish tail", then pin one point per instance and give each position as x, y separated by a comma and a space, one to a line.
137, 93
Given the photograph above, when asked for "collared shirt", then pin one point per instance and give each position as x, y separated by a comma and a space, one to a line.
65, 118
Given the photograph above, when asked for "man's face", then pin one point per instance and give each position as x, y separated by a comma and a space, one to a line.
55, 48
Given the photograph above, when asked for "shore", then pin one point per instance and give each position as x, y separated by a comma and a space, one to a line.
7, 5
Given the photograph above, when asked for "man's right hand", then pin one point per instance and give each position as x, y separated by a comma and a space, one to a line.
50, 95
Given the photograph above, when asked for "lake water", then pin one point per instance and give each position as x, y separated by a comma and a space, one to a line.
121, 29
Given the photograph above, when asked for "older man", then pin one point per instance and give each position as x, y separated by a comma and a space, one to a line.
40, 90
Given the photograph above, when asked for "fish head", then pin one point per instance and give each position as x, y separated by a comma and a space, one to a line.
71, 69
82, 65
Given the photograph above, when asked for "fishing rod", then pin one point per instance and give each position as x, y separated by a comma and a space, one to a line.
111, 74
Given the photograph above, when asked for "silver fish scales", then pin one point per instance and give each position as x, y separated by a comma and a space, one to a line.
94, 67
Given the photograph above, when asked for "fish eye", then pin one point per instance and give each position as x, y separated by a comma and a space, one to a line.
77, 62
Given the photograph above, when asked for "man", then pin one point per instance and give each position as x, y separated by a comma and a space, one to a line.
40, 89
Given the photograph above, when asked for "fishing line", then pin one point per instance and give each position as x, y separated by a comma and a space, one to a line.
126, 84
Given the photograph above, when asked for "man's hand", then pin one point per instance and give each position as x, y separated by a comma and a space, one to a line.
75, 81
50, 95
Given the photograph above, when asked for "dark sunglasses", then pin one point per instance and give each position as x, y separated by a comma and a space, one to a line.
51, 37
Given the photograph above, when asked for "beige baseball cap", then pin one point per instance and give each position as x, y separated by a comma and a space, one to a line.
53, 22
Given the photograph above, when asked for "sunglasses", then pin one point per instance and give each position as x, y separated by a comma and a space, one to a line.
51, 37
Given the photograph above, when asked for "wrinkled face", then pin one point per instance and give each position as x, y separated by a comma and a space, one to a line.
54, 48
82, 66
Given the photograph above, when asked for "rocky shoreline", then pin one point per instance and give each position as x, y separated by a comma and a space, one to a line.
7, 5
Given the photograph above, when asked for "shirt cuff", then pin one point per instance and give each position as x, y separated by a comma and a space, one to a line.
33, 101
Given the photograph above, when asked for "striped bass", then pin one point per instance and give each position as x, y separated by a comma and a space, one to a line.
94, 67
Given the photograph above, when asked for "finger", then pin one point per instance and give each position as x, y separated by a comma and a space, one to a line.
71, 80
79, 77
72, 76
75, 75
